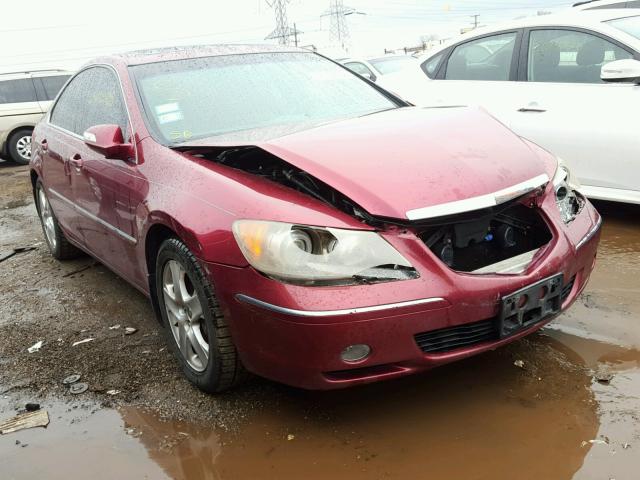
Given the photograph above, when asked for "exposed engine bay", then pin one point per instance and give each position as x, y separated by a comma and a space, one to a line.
472, 245
503, 239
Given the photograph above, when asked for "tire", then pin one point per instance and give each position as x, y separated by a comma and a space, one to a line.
58, 244
19, 146
192, 319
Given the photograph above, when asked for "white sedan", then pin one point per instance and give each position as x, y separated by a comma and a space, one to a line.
568, 82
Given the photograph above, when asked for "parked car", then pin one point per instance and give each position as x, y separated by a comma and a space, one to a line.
24, 97
289, 218
567, 82
374, 68
605, 4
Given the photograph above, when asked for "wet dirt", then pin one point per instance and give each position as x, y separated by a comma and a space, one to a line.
481, 418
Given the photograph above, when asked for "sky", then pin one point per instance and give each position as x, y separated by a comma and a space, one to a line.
66, 34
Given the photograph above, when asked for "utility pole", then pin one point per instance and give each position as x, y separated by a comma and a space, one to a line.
339, 28
475, 20
281, 31
295, 34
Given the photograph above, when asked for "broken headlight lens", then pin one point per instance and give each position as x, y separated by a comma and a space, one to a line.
319, 256
565, 188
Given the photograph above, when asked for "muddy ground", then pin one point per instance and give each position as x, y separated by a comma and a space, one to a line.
483, 418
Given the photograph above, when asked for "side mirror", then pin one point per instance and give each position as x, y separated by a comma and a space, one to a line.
368, 76
623, 71
108, 140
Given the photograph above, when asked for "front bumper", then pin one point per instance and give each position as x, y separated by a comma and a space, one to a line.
294, 334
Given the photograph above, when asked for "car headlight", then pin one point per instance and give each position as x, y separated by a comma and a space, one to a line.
319, 256
565, 187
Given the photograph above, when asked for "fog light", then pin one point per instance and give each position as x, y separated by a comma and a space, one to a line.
355, 353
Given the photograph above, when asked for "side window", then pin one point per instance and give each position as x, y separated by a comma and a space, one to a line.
17, 91
430, 67
48, 87
635, 4
360, 69
566, 56
487, 58
92, 98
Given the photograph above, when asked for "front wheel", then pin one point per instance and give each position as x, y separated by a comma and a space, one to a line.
194, 324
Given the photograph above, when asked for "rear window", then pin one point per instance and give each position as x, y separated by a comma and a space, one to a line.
630, 25
17, 91
206, 97
48, 87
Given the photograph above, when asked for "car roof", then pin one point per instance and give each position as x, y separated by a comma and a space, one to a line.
32, 74
587, 4
139, 57
590, 19
575, 18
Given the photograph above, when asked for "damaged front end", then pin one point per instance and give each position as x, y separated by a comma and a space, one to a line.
502, 237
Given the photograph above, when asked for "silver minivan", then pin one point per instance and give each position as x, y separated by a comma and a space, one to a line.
24, 98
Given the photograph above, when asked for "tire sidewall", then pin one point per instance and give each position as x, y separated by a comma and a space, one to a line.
54, 251
173, 249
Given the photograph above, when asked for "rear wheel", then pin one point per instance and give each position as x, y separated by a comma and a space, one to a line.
58, 244
19, 146
194, 324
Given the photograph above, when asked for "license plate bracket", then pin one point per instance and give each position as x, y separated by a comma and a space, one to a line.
530, 305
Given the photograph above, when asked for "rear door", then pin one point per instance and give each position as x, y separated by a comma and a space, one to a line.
567, 109
55, 139
481, 71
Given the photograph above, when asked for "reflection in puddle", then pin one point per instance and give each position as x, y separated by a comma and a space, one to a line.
482, 415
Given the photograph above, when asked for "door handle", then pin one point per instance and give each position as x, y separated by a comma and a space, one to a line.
76, 161
44, 145
532, 107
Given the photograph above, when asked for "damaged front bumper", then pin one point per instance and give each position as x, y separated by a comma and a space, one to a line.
295, 334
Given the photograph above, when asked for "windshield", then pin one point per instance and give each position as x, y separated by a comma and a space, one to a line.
204, 97
630, 25
387, 65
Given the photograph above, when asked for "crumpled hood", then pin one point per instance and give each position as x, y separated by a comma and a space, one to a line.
410, 158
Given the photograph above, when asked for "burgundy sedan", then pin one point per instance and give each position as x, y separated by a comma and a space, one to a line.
289, 218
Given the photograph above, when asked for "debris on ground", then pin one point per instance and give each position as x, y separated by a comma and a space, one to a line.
80, 342
32, 407
603, 377
626, 446
130, 330
22, 421
71, 379
78, 388
113, 392
519, 363
15, 251
35, 347
114, 327
291, 437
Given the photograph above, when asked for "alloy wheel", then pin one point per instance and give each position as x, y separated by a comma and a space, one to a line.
185, 314
46, 216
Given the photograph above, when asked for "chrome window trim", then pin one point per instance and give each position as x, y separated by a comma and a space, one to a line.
54, 103
330, 313
590, 234
479, 202
90, 215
